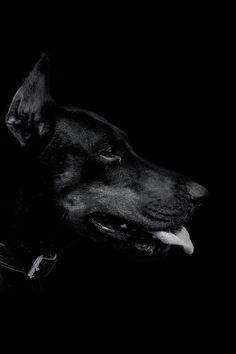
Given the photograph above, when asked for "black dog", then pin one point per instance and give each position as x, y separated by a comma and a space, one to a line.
77, 175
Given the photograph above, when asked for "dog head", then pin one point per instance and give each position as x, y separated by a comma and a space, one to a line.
106, 191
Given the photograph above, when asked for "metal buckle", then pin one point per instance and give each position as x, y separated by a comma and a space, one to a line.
36, 265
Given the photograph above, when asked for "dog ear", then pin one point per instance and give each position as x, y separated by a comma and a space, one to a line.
25, 117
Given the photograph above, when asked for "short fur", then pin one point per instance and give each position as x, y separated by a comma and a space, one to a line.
70, 169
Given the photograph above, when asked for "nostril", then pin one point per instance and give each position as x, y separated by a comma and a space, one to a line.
198, 193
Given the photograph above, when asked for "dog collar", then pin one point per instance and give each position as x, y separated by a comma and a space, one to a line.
40, 268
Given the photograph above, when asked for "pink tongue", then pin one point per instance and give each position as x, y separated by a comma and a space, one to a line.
180, 238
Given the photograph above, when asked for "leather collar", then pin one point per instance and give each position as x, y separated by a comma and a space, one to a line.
41, 266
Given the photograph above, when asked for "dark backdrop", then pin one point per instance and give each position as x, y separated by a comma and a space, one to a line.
163, 83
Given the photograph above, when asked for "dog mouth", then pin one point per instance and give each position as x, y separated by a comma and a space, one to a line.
146, 242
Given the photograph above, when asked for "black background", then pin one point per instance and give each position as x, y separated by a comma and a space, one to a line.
161, 77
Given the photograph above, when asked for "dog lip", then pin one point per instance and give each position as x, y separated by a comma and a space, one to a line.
108, 230
112, 223
117, 223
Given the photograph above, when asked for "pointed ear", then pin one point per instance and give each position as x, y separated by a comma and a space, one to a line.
25, 117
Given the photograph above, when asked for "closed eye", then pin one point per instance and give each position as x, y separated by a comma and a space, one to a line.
108, 156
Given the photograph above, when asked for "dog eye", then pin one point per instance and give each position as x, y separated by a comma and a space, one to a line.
109, 156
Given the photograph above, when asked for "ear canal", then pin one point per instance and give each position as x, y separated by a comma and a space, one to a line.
25, 116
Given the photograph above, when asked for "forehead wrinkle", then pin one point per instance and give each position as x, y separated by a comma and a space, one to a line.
87, 131
88, 116
73, 134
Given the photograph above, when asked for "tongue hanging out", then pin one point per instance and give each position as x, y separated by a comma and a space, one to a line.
180, 238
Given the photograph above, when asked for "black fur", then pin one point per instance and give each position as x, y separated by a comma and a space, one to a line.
73, 171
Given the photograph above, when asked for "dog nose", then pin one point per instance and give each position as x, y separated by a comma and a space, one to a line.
198, 193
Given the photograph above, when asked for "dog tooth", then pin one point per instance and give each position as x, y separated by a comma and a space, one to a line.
123, 226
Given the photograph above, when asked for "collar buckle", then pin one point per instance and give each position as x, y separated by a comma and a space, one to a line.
42, 266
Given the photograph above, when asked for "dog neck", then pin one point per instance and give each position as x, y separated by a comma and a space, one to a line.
29, 240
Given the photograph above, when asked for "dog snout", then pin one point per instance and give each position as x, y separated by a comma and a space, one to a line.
198, 194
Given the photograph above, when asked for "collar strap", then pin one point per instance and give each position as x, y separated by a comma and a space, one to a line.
41, 267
